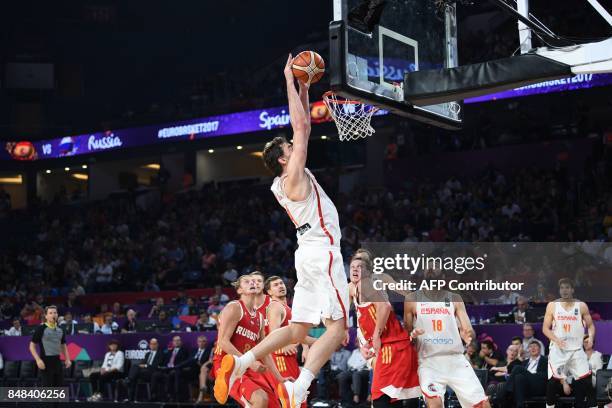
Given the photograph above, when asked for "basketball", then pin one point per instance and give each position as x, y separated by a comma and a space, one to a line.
308, 66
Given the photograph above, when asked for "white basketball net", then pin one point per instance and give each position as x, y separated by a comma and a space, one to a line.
352, 117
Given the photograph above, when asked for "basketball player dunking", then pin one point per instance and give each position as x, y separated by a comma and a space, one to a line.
564, 324
321, 292
278, 314
240, 328
432, 317
395, 368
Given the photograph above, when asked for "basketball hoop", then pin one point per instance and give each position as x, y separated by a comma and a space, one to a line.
352, 117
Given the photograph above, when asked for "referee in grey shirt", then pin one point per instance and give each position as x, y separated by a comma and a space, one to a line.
51, 340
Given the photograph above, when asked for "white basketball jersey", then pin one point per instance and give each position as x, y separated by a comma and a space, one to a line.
315, 218
437, 319
568, 326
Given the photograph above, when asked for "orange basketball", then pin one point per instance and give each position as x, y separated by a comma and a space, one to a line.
308, 66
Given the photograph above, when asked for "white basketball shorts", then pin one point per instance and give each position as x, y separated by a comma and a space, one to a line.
453, 370
321, 291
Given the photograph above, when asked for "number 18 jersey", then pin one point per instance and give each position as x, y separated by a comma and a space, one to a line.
437, 319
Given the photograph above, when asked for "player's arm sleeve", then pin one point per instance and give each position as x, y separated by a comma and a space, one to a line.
38, 334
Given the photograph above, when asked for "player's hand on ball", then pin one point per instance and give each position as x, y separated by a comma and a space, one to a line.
288, 69
40, 364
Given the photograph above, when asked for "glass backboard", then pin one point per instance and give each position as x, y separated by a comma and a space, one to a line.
369, 63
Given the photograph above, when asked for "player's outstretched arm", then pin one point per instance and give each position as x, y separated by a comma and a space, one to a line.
588, 322
296, 186
409, 311
228, 320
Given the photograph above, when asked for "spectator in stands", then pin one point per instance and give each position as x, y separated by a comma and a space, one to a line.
31, 313
103, 274
517, 341
595, 359
204, 322
529, 336
111, 369
189, 308
523, 312
150, 285
473, 356
162, 319
438, 232
170, 373
7, 309
489, 355
100, 317
214, 308
528, 379
358, 374
144, 370
117, 310
129, 326
512, 352
196, 367
71, 300
68, 324
209, 260
15, 330
228, 249
109, 326
87, 319
230, 275
332, 371
223, 298
156, 308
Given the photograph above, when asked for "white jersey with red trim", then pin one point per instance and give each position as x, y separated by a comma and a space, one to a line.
568, 326
315, 218
438, 321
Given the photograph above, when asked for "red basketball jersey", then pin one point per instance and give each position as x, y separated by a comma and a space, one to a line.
246, 334
366, 317
262, 309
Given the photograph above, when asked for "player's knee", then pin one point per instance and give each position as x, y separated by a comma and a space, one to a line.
259, 399
298, 331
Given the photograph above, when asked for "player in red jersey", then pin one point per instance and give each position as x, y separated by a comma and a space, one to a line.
383, 337
262, 300
241, 327
279, 315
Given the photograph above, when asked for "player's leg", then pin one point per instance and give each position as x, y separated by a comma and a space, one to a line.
259, 399
552, 392
430, 379
460, 376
